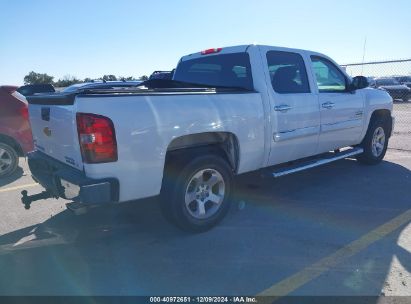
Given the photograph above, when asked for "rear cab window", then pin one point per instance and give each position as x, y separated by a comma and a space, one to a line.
287, 72
222, 70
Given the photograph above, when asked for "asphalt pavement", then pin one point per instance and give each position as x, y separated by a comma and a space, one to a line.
340, 229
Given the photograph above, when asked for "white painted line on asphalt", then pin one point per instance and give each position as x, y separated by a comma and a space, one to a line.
18, 187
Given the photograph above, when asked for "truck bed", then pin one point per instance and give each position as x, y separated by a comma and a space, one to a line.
147, 122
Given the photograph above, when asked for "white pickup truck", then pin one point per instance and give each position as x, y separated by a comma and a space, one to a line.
227, 111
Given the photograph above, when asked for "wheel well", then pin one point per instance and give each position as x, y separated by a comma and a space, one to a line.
224, 144
13, 143
384, 115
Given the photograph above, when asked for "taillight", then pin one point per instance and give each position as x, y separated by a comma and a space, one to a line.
24, 112
211, 51
97, 138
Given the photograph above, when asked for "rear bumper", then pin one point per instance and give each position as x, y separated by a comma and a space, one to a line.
63, 181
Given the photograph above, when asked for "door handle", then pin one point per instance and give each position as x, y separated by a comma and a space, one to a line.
282, 108
328, 105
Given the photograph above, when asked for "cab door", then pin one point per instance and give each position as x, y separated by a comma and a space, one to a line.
341, 109
295, 118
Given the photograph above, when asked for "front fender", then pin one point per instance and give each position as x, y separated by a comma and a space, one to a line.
375, 99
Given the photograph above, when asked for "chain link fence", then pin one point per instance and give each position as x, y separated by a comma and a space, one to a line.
394, 76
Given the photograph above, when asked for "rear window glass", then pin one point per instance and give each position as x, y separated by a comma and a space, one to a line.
227, 70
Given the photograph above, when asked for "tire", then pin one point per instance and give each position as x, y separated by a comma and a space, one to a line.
373, 153
187, 201
9, 160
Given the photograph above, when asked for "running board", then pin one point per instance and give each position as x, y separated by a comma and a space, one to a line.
318, 162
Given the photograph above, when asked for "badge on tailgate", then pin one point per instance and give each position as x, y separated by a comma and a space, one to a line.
47, 131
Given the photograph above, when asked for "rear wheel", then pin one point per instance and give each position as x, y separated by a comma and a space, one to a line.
197, 195
9, 160
375, 142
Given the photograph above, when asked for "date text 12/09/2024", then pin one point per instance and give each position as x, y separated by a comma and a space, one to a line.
203, 299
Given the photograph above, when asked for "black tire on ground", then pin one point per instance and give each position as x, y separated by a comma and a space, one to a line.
178, 179
9, 160
369, 157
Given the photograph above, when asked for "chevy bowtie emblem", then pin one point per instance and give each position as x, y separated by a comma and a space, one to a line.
47, 131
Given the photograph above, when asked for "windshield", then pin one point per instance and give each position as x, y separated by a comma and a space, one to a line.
228, 70
35, 88
404, 79
386, 82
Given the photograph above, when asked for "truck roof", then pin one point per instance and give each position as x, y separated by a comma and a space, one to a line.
243, 48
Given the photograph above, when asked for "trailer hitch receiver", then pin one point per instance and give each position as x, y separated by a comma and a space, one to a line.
27, 200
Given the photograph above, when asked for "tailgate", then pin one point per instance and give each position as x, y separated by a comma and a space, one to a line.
54, 128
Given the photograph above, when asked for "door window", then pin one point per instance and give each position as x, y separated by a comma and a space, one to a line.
328, 76
287, 72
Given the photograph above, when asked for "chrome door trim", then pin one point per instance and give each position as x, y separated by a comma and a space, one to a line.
342, 125
293, 134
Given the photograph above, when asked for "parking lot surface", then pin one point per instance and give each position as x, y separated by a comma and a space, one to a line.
340, 229
402, 130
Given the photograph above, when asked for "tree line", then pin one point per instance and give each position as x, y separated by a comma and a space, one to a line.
68, 80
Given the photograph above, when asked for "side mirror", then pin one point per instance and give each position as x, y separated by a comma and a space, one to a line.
359, 82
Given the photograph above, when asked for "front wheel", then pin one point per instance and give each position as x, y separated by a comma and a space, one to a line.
375, 143
197, 195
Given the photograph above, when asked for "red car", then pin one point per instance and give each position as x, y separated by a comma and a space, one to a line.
15, 132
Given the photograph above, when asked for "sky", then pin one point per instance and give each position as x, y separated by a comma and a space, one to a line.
90, 38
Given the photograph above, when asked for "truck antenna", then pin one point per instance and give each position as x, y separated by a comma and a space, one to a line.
363, 55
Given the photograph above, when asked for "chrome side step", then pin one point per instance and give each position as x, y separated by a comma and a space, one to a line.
318, 162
